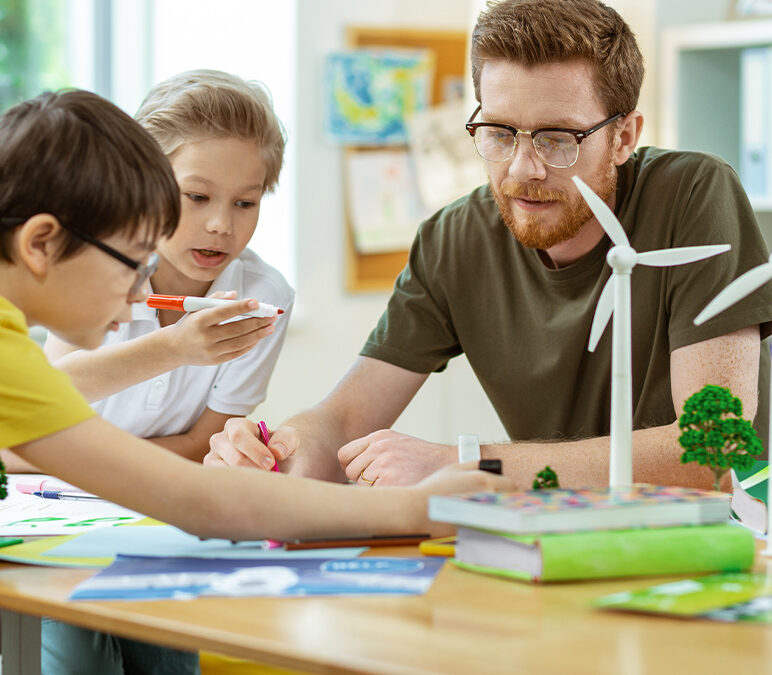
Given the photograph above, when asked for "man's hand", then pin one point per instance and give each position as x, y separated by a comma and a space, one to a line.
389, 458
238, 444
201, 339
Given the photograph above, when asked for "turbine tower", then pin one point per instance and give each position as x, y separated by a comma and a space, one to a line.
615, 298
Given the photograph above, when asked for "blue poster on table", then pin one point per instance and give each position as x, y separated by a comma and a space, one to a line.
151, 578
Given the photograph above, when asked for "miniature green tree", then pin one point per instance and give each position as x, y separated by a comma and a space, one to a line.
546, 478
715, 434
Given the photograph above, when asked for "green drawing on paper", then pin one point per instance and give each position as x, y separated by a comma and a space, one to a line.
97, 521
31, 521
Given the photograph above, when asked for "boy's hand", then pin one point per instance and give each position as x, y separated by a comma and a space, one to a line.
201, 339
460, 478
238, 444
455, 479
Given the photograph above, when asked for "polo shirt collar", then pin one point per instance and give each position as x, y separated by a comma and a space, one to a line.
231, 279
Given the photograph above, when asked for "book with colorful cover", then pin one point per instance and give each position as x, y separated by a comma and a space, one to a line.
565, 510
606, 553
728, 597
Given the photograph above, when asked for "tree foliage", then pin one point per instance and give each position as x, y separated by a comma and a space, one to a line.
546, 478
714, 433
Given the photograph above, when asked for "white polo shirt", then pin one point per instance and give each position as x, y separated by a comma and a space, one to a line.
172, 402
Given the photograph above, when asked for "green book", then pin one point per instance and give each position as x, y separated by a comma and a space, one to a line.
726, 597
606, 553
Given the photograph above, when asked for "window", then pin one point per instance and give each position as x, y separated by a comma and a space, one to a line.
120, 48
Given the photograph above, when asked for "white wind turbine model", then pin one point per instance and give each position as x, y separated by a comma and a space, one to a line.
741, 287
622, 258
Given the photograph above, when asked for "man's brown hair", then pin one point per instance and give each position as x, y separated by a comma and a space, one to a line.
533, 32
82, 159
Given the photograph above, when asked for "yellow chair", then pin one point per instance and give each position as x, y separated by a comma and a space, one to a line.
217, 664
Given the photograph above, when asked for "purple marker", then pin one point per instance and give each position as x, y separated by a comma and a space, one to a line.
265, 437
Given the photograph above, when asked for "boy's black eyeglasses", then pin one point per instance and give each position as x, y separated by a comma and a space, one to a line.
144, 270
555, 146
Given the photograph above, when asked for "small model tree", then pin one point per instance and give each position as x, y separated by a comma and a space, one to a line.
546, 478
715, 434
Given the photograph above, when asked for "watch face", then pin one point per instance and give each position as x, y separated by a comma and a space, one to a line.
491, 465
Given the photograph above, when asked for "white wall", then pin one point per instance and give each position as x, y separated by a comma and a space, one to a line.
331, 325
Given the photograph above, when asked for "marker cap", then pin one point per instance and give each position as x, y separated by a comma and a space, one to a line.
174, 302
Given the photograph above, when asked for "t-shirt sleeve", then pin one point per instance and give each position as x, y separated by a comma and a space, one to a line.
36, 399
416, 331
241, 384
717, 211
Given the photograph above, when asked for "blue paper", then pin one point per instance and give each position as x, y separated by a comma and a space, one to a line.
166, 540
145, 578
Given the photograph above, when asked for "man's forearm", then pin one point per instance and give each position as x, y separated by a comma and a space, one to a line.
656, 460
320, 434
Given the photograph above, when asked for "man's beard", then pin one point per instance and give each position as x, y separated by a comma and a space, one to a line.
530, 230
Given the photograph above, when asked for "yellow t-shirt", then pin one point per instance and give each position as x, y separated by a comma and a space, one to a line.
36, 399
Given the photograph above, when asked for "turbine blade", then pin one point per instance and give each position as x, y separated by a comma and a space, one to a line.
737, 290
679, 256
603, 213
603, 313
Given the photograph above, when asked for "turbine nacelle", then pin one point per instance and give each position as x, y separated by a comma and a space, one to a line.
622, 259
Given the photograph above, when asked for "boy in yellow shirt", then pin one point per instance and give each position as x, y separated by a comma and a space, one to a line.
85, 194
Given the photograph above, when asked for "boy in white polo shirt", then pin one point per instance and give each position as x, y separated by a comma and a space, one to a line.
189, 374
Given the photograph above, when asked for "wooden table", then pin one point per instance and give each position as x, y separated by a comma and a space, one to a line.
466, 623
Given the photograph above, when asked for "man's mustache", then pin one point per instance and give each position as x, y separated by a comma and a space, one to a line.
534, 193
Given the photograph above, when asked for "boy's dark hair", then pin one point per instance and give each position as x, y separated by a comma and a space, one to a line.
82, 159
533, 32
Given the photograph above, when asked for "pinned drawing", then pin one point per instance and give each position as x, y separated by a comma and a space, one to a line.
370, 92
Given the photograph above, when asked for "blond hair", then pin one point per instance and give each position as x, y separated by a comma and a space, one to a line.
534, 32
200, 104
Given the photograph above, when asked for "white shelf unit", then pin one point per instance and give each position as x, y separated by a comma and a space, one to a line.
700, 106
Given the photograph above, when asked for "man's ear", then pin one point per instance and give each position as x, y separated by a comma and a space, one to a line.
38, 243
627, 136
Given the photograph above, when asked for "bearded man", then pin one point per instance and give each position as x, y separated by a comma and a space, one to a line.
510, 275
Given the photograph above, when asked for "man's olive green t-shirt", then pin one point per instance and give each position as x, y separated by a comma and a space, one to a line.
470, 287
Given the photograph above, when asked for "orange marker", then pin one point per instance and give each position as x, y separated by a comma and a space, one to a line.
191, 303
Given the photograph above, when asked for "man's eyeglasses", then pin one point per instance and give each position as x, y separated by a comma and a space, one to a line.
144, 270
555, 146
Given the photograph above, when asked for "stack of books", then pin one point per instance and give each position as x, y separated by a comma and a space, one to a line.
593, 533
